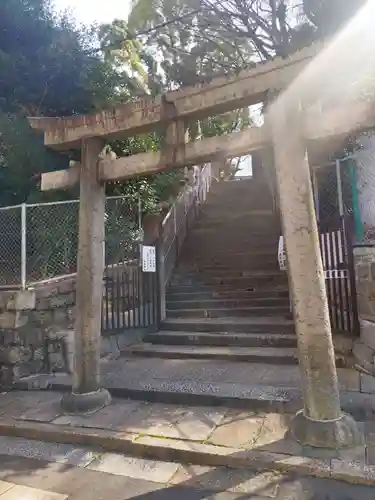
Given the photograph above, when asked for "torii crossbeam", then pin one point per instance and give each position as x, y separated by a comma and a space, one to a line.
290, 132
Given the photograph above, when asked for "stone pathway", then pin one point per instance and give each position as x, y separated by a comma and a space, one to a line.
247, 386
33, 470
204, 435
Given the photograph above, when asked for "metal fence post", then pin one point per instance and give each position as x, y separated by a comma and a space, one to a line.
161, 281
23, 246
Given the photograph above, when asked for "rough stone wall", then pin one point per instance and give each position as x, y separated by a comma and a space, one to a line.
365, 168
364, 349
36, 330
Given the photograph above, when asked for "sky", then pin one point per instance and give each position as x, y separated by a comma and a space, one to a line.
90, 11
104, 11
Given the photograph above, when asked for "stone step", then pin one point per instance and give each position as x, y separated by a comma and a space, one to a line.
239, 282
264, 264
218, 204
250, 217
269, 355
249, 386
223, 215
230, 312
222, 339
228, 302
261, 297
227, 289
217, 272
236, 229
214, 260
260, 226
227, 247
238, 237
229, 325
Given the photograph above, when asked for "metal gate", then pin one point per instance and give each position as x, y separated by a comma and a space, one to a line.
131, 281
334, 211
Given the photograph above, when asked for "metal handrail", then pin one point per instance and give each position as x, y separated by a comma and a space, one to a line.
182, 213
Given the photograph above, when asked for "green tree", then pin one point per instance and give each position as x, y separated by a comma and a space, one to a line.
47, 67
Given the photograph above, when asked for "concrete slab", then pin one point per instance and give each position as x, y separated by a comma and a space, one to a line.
26, 493
239, 430
353, 471
137, 468
110, 417
5, 486
265, 484
53, 452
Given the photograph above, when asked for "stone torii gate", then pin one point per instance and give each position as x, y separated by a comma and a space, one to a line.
321, 422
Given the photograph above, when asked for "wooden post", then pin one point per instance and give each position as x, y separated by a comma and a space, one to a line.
86, 393
321, 423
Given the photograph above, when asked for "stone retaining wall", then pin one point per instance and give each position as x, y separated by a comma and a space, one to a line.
36, 329
364, 349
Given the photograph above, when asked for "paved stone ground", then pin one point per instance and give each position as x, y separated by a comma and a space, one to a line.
125, 372
32, 470
204, 382
222, 427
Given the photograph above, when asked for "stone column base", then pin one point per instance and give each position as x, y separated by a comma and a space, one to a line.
89, 402
332, 434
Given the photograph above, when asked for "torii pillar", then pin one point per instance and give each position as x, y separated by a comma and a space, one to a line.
321, 423
87, 395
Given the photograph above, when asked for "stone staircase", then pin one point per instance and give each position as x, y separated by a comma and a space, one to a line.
227, 298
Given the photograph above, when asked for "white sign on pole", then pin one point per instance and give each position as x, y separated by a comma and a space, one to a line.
148, 259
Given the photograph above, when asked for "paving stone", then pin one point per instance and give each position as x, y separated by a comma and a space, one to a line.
256, 430
370, 442
173, 421
265, 484
44, 412
138, 468
274, 428
5, 486
16, 404
238, 430
111, 417
352, 471
26, 493
53, 452
77, 483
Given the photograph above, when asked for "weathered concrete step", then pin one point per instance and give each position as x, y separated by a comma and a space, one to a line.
272, 355
216, 207
230, 312
238, 237
211, 261
241, 252
228, 264
241, 224
229, 272
240, 219
240, 282
265, 230
227, 247
261, 297
195, 303
229, 325
222, 339
223, 214
228, 290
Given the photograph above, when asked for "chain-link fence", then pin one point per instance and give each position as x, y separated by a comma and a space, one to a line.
10, 246
40, 241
